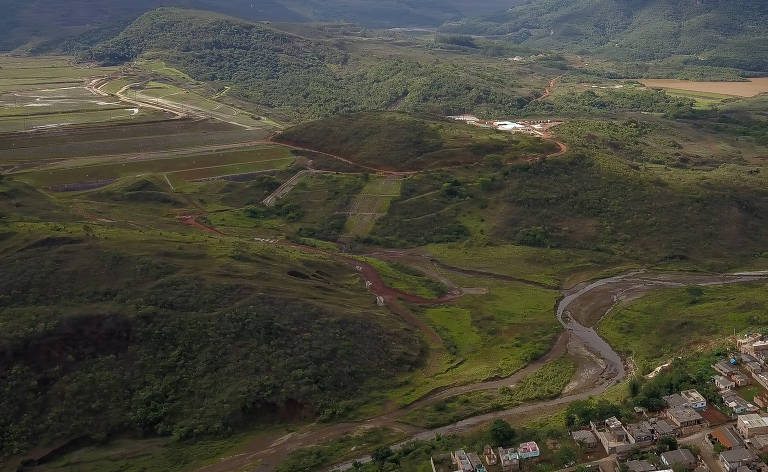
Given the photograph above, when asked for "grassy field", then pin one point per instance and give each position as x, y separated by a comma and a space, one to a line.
404, 278
547, 382
221, 170
160, 67
116, 85
552, 267
482, 336
704, 100
666, 323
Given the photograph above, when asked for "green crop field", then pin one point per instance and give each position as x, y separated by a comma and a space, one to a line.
40, 93
371, 203
157, 92
185, 167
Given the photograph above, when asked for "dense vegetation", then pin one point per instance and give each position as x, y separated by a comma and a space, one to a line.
106, 332
79, 21
611, 102
310, 78
714, 32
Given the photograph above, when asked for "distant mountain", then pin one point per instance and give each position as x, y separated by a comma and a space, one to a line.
731, 33
41, 20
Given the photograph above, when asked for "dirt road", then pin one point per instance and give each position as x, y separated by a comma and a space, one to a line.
344, 159
286, 187
548, 90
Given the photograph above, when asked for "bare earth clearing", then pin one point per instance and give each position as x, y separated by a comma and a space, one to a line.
739, 89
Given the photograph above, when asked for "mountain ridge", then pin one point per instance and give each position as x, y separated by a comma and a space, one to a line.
34, 21
709, 32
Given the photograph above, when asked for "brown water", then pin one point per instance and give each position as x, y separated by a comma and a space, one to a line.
738, 89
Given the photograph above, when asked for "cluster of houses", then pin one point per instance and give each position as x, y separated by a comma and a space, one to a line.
536, 128
681, 418
667, 461
741, 369
739, 448
742, 446
508, 459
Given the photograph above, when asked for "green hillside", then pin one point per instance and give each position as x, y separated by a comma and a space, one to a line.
106, 329
306, 78
397, 141
639, 188
724, 33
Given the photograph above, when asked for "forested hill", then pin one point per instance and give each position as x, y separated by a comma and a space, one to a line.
190, 34
33, 22
300, 78
731, 33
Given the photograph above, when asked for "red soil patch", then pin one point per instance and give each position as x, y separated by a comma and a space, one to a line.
190, 220
714, 416
389, 295
548, 90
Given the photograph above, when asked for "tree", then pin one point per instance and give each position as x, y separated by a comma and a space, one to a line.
696, 293
381, 454
666, 444
501, 433
719, 448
